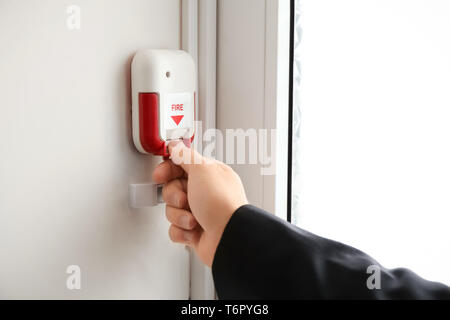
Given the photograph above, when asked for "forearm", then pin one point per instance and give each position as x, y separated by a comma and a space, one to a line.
263, 257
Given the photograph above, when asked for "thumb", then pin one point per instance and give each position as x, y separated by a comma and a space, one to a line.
183, 156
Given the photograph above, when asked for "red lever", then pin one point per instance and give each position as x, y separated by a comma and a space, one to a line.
148, 124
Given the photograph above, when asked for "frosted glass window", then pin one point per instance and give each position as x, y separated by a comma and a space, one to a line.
371, 157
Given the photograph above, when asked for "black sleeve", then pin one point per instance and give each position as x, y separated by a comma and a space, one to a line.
263, 257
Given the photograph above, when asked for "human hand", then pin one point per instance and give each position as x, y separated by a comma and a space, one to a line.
201, 195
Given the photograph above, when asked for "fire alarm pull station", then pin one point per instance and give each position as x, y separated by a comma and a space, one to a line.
163, 97
163, 86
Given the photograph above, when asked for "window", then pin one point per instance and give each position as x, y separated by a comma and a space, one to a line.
371, 128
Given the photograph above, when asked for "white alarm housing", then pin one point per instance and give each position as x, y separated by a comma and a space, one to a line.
163, 99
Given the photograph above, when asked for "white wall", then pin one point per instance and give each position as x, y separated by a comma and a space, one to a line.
66, 154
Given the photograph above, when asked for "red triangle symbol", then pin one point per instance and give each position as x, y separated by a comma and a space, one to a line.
177, 119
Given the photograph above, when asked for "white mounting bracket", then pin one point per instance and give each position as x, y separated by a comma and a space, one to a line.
144, 195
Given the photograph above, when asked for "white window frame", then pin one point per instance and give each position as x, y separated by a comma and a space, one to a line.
270, 18
199, 38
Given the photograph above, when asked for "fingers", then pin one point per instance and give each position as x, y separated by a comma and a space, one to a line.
187, 237
181, 218
167, 171
174, 194
184, 228
183, 156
